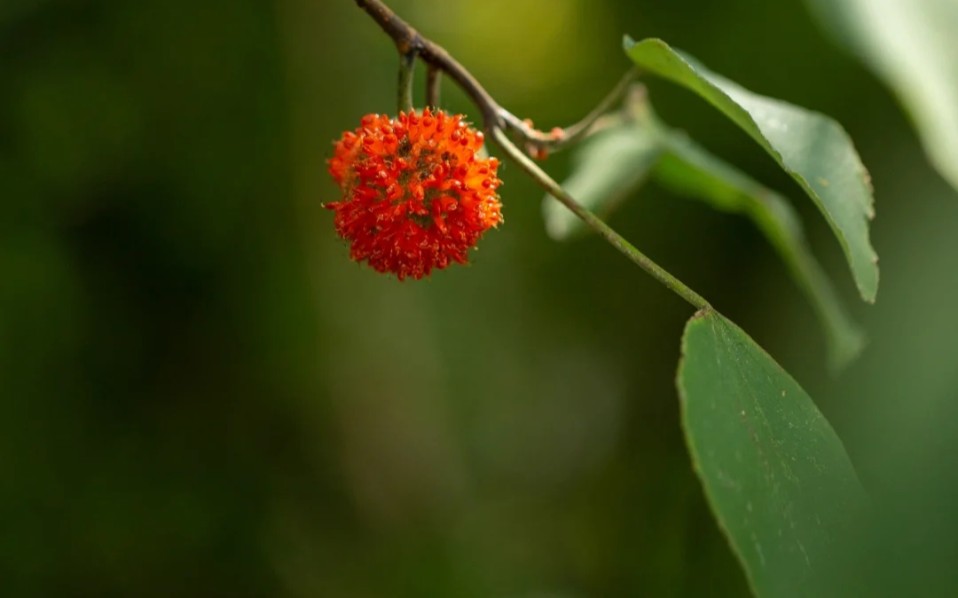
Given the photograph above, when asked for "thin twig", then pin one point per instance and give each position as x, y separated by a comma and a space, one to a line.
597, 224
557, 139
407, 38
433, 85
436, 57
407, 70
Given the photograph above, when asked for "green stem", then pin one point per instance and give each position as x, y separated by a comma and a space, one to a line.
596, 223
407, 67
573, 133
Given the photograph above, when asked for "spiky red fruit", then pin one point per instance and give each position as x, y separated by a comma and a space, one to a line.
416, 196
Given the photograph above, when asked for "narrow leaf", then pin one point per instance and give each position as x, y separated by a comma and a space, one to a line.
811, 147
774, 472
912, 45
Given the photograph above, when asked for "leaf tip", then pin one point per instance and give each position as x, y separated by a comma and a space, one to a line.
843, 351
869, 290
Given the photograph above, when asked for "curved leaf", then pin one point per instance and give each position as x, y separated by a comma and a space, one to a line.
811, 147
912, 45
617, 160
688, 169
774, 472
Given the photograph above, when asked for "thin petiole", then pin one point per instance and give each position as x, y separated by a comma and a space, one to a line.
596, 223
407, 69
433, 84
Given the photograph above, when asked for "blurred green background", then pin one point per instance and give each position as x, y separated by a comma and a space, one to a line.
201, 395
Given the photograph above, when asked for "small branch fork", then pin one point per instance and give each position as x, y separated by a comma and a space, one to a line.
499, 123
411, 43
409, 40
539, 143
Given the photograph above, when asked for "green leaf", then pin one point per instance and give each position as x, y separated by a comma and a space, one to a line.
812, 148
912, 45
774, 472
607, 166
619, 158
687, 169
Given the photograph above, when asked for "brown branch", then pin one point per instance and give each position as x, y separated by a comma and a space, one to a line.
407, 39
536, 142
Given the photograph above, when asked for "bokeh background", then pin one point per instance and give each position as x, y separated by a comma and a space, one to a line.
201, 395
